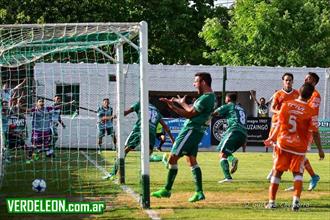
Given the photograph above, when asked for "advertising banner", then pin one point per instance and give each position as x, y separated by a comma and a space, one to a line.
258, 129
175, 125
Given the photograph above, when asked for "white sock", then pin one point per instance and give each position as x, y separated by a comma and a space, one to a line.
295, 200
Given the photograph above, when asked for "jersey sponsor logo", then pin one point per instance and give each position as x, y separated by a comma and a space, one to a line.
19, 122
298, 107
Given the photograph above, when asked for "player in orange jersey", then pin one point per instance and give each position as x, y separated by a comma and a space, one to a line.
314, 102
285, 94
296, 120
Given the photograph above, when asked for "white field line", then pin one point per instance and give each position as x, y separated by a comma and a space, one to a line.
151, 213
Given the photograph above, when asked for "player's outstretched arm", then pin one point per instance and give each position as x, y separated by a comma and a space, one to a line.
128, 111
19, 85
180, 111
182, 102
269, 101
167, 130
65, 103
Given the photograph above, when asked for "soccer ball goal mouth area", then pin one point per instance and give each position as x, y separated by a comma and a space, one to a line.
26, 43
82, 64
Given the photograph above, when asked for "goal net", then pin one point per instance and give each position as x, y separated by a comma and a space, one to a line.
59, 83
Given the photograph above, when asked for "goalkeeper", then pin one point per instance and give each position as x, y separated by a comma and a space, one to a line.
105, 124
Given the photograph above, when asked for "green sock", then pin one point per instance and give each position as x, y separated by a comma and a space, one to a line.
172, 172
197, 175
230, 158
225, 168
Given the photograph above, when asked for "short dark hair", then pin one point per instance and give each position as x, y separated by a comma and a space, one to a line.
314, 76
206, 77
287, 74
106, 99
262, 98
232, 96
306, 90
40, 99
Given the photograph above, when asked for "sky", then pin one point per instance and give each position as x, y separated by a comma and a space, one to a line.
225, 3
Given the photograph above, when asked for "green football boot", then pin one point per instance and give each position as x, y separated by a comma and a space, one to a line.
197, 197
162, 193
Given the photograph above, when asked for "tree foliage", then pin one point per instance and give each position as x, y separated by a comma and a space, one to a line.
271, 32
173, 24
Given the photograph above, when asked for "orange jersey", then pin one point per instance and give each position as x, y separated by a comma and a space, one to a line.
280, 97
296, 120
315, 101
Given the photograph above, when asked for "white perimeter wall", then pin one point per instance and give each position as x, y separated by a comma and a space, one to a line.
95, 85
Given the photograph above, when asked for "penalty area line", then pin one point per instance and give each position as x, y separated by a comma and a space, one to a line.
151, 213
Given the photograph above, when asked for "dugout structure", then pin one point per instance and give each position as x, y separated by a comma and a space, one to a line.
25, 45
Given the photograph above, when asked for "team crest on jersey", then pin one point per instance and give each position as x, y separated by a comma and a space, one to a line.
219, 128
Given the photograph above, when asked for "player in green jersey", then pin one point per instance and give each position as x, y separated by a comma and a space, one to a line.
235, 135
198, 117
134, 138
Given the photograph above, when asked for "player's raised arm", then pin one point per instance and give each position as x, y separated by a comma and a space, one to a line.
252, 93
167, 130
269, 100
186, 111
128, 111
19, 85
182, 102
64, 103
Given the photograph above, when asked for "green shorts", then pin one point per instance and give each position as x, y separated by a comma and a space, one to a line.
187, 142
105, 131
134, 139
231, 142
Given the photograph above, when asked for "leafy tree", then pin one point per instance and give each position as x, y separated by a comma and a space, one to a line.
173, 28
273, 32
173, 24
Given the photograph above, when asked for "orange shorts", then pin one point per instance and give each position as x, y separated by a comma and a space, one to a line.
284, 161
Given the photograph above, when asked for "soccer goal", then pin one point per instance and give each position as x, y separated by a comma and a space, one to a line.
69, 71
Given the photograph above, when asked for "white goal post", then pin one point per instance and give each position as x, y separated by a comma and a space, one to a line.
24, 44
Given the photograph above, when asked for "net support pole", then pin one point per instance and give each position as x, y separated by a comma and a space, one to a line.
326, 94
120, 111
223, 97
2, 140
145, 166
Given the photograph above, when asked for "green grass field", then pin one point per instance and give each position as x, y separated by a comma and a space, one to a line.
72, 176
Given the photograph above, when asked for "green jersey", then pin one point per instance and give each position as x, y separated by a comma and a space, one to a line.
154, 118
204, 105
235, 115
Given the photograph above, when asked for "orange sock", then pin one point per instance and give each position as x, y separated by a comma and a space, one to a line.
309, 168
274, 183
297, 188
273, 190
